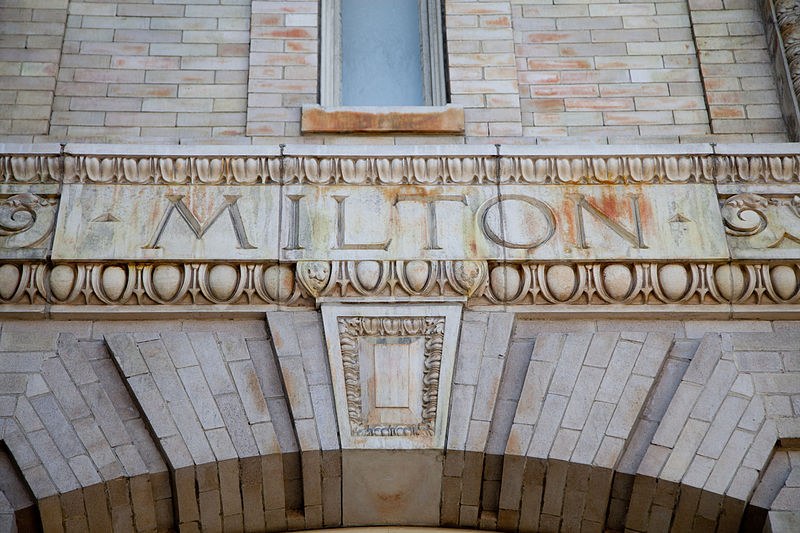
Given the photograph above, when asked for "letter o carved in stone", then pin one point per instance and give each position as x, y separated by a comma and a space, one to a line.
548, 229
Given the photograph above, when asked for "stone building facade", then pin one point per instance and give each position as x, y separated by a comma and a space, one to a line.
561, 295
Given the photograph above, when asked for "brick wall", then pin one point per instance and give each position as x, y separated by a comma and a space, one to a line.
611, 70
165, 71
201, 71
483, 76
737, 72
283, 66
30, 46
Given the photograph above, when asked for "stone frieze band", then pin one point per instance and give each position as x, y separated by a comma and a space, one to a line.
125, 226
165, 286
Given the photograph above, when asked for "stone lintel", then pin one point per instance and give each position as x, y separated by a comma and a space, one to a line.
423, 119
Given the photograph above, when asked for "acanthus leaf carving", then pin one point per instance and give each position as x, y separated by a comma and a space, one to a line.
406, 169
24, 204
743, 204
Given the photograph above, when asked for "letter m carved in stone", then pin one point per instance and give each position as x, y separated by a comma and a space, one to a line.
199, 230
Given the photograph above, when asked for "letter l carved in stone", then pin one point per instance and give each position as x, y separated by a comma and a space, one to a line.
341, 237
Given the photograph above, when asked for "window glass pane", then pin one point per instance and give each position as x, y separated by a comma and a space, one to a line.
381, 53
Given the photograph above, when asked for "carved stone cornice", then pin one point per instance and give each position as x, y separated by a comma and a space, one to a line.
754, 168
122, 164
410, 170
647, 286
174, 170
607, 170
31, 168
169, 228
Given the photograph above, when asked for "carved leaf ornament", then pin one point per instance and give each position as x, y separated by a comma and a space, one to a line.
18, 213
479, 282
352, 329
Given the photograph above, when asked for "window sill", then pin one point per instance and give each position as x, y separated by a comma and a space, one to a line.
388, 119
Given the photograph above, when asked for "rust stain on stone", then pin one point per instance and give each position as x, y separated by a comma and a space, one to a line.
254, 388
316, 119
389, 502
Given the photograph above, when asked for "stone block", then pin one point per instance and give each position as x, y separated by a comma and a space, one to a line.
126, 354
284, 337
208, 353
74, 359
547, 427
619, 369
380, 487
592, 432
57, 425
684, 451
179, 349
677, 413
199, 394
294, 379
601, 349
18, 336
246, 380
778, 340
104, 413
582, 397
469, 353
629, 407
533, 392
488, 385
729, 461
498, 333
64, 389
325, 416
716, 388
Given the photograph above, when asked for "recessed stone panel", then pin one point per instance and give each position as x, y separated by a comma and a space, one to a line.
392, 367
167, 222
387, 488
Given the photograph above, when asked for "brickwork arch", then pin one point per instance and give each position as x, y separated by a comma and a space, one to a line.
554, 425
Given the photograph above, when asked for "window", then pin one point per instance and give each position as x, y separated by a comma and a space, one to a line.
382, 53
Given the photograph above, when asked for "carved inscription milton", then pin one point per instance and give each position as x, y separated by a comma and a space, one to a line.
302, 223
